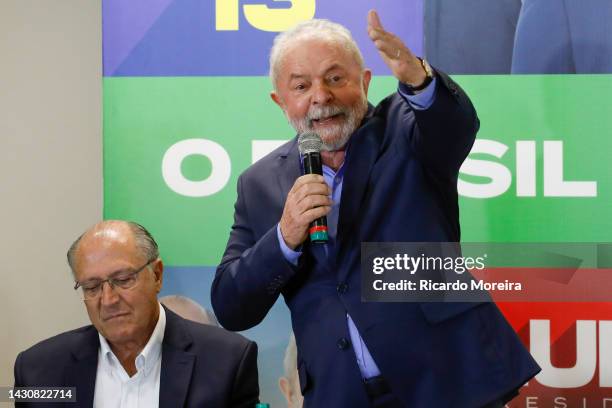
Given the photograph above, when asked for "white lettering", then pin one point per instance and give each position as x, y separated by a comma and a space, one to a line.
554, 185
219, 175
586, 359
605, 353
526, 168
499, 175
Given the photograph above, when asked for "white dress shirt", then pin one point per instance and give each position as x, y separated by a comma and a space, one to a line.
115, 388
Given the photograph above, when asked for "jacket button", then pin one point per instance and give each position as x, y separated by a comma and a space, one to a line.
342, 288
343, 343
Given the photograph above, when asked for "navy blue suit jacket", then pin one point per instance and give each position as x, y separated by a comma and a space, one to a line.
400, 184
202, 366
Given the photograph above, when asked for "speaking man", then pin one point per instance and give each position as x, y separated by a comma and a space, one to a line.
137, 353
390, 174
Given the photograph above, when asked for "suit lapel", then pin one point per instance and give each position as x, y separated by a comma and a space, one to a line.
177, 363
288, 168
82, 373
362, 154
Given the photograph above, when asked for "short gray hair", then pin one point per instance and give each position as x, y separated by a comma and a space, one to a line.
315, 29
145, 242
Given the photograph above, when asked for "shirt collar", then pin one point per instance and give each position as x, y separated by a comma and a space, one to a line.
151, 352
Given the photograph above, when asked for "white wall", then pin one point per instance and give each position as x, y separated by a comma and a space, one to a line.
50, 163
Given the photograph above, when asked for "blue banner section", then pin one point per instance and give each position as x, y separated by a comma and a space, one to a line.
231, 37
519, 36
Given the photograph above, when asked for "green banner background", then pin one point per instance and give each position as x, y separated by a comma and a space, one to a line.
144, 116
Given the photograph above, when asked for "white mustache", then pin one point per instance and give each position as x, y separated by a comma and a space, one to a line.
336, 136
320, 112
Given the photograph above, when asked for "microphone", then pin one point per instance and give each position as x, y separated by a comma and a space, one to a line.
309, 146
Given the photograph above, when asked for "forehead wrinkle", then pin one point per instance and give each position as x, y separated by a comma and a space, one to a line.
106, 238
336, 51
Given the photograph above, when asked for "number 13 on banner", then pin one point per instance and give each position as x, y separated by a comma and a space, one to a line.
261, 16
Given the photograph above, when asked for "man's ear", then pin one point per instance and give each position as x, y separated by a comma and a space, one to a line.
367, 76
277, 100
158, 270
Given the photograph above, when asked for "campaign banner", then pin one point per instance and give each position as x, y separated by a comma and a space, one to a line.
187, 109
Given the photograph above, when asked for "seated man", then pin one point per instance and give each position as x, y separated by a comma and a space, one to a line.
137, 353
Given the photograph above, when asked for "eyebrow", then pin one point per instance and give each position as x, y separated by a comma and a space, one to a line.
296, 76
333, 67
120, 271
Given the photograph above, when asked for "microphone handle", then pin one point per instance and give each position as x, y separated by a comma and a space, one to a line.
318, 228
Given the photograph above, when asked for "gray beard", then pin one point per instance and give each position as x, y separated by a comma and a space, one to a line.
333, 137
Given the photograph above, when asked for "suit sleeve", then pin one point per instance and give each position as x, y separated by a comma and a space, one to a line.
17, 371
245, 390
252, 271
445, 132
19, 381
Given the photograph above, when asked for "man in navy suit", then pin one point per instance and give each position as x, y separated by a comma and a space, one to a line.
137, 352
390, 175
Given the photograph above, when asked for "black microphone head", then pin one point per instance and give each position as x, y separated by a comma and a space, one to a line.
309, 142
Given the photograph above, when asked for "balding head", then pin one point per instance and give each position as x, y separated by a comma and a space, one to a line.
106, 232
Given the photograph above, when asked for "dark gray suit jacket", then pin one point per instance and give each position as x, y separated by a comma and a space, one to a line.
202, 366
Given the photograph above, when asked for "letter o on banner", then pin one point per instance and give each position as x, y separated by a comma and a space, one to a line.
219, 175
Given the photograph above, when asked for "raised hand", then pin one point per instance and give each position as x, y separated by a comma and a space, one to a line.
405, 66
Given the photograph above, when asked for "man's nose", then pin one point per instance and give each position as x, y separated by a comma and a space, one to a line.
109, 295
321, 94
